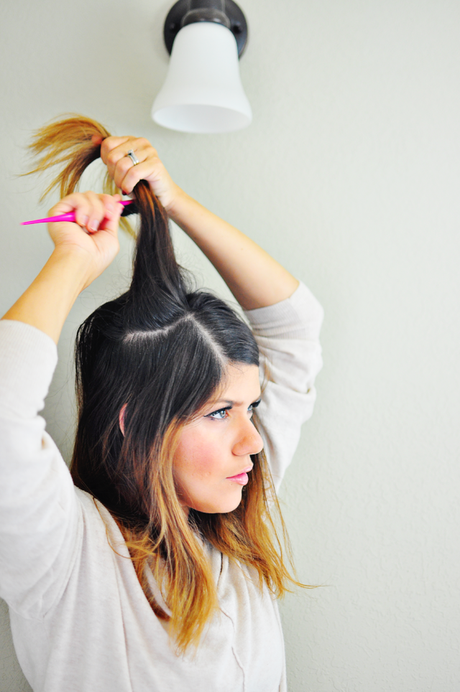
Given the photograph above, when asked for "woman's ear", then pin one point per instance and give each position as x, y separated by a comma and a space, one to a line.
121, 419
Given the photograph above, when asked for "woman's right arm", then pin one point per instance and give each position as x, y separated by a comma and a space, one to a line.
82, 251
40, 527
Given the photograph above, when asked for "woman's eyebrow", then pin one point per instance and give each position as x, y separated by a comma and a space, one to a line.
229, 402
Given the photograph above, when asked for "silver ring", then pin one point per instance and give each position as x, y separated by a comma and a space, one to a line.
133, 157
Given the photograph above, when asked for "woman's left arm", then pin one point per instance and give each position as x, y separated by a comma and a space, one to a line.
254, 277
288, 337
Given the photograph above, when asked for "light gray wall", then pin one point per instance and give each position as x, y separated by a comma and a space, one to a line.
350, 176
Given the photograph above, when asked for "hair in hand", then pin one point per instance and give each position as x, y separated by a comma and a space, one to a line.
158, 353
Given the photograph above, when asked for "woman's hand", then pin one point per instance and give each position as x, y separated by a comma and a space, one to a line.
94, 232
82, 251
126, 175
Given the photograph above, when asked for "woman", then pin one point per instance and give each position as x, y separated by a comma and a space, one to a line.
155, 565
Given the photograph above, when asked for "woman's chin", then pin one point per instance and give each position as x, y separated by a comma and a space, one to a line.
219, 506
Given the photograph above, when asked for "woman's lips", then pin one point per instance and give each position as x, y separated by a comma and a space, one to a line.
241, 478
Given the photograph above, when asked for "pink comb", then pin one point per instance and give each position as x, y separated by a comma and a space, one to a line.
65, 217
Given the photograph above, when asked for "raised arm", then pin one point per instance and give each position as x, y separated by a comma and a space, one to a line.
82, 251
255, 279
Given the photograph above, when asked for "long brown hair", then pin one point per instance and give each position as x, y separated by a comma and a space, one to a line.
162, 350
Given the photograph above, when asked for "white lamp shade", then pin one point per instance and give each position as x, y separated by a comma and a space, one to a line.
203, 91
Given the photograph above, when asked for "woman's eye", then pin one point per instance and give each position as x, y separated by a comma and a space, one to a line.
253, 406
218, 415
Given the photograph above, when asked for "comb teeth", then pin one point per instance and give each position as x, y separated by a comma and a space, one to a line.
130, 208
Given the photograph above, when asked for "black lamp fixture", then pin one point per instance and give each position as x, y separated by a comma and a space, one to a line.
203, 91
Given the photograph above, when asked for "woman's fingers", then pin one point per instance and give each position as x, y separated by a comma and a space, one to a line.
146, 165
92, 211
112, 212
125, 172
114, 153
102, 211
130, 174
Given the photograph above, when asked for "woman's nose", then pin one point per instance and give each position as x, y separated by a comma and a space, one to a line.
249, 441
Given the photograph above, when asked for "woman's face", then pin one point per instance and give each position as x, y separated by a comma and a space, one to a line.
212, 460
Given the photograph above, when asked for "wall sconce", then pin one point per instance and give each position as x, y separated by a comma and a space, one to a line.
203, 91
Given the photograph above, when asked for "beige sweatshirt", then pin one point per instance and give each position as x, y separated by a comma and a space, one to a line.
79, 618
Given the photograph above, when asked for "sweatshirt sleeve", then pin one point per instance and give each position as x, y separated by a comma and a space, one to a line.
39, 513
288, 338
